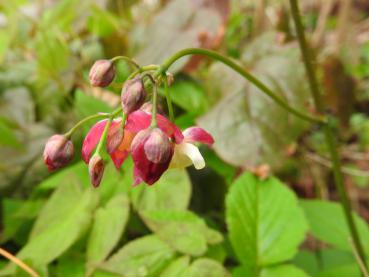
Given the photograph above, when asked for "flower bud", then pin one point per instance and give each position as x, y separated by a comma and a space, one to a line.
102, 73
96, 170
170, 78
58, 152
133, 95
152, 152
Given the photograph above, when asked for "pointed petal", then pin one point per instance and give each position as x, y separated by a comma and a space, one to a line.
197, 134
92, 138
118, 157
140, 120
187, 154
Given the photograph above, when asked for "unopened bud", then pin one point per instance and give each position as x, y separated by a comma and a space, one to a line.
96, 170
133, 95
170, 78
102, 73
58, 152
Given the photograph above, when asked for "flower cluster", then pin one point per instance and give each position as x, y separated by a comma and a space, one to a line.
154, 142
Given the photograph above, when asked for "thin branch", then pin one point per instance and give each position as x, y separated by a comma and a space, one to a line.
327, 163
358, 259
18, 262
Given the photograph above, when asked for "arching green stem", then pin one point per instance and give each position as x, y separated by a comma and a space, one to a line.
227, 61
94, 116
127, 59
328, 132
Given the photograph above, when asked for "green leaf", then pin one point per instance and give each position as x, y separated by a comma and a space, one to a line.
172, 192
265, 223
199, 268
177, 267
109, 224
70, 266
322, 260
189, 96
8, 137
183, 230
62, 221
207, 267
145, 256
283, 271
341, 271
76, 174
86, 105
248, 127
102, 22
328, 223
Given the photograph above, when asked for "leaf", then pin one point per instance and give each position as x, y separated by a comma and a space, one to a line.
62, 221
189, 96
184, 27
8, 137
341, 271
206, 267
327, 223
283, 271
264, 221
182, 230
76, 174
102, 22
321, 260
199, 268
177, 267
145, 256
107, 229
248, 127
171, 192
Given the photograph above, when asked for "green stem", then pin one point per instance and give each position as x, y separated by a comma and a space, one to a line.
83, 121
127, 59
94, 116
142, 69
154, 107
103, 137
169, 100
327, 129
227, 61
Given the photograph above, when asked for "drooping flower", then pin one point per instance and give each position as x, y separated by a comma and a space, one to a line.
102, 73
186, 153
136, 121
58, 152
152, 152
133, 95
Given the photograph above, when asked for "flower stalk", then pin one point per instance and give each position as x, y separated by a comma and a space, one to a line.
327, 129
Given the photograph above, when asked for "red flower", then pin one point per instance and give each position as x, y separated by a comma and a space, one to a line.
136, 121
152, 152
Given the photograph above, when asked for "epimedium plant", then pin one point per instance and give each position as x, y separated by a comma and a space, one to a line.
258, 212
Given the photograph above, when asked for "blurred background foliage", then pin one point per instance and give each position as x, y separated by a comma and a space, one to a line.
228, 219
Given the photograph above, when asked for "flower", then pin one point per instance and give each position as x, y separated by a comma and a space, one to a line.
96, 170
58, 152
133, 95
102, 73
186, 153
152, 152
136, 121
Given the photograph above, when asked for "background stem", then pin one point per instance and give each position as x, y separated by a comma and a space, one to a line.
227, 61
327, 129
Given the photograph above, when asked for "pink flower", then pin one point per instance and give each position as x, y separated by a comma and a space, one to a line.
136, 121
153, 149
152, 152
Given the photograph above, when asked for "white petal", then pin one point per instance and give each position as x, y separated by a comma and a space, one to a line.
194, 154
